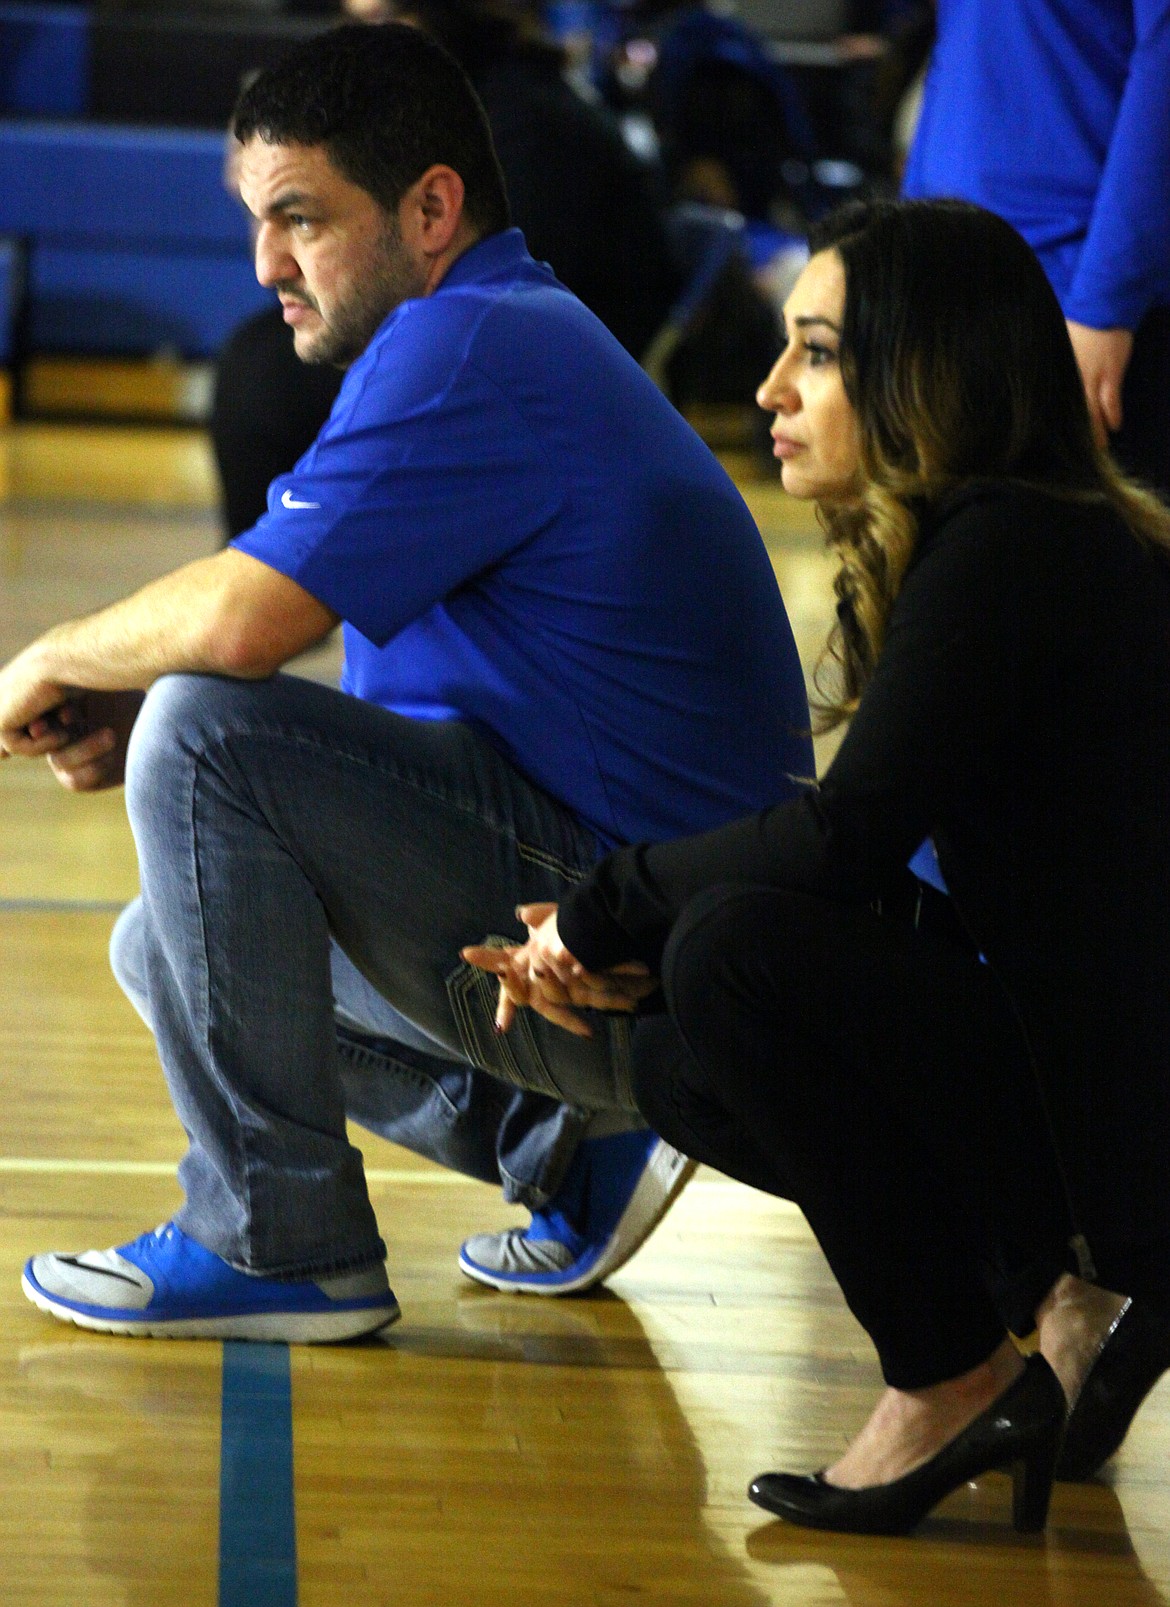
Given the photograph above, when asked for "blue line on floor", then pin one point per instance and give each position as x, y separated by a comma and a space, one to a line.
257, 1519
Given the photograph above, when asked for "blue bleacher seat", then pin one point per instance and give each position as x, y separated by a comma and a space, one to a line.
10, 283
132, 243
44, 60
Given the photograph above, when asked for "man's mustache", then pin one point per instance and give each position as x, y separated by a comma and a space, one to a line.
289, 293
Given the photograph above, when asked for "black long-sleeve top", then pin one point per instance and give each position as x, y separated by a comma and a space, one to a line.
1019, 714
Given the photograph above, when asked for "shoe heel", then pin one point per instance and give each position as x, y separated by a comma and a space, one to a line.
1032, 1479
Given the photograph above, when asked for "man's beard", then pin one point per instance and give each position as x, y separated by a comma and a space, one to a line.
391, 280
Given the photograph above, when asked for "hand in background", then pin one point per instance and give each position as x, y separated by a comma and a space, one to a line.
543, 976
1102, 356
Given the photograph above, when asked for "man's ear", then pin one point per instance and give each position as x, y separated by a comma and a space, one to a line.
431, 214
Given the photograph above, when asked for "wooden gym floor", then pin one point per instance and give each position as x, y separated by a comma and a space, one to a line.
489, 1451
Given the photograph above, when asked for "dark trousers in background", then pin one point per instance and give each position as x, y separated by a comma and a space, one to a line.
874, 1073
267, 412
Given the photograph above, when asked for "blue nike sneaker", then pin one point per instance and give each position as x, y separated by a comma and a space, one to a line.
615, 1193
166, 1286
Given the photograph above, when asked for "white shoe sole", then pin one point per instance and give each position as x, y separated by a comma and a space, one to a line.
663, 1179
275, 1327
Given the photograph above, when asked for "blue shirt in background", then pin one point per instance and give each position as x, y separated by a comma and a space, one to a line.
1056, 115
520, 531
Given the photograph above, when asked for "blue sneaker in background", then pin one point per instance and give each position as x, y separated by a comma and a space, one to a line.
614, 1194
166, 1286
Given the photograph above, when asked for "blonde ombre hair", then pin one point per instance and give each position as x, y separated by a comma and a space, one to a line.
956, 359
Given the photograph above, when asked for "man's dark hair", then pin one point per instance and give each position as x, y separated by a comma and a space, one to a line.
386, 103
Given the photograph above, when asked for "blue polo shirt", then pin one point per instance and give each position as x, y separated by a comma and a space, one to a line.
1056, 115
521, 532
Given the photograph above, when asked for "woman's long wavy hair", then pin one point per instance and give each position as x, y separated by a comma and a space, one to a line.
956, 358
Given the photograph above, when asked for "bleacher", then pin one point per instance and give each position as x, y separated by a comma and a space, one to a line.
118, 241
125, 263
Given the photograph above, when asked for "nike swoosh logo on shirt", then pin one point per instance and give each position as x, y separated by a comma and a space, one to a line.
289, 501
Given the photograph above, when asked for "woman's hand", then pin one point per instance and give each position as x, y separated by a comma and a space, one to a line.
542, 975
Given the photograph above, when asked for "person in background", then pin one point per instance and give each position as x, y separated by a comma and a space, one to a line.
968, 1097
1057, 117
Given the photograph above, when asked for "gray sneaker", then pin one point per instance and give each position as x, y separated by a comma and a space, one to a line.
615, 1193
514, 1255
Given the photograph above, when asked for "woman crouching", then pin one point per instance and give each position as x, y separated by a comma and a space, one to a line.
968, 1097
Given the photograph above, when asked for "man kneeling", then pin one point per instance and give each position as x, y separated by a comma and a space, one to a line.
561, 633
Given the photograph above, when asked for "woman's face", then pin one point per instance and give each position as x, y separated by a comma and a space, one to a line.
815, 431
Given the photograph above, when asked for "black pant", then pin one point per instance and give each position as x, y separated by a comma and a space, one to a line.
873, 1072
267, 411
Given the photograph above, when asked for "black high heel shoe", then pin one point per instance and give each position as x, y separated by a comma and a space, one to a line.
1130, 1360
1021, 1430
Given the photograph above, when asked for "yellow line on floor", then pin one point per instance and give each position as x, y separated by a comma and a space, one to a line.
29, 1165
64, 1166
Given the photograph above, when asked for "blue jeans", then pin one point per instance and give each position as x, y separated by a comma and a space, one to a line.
311, 866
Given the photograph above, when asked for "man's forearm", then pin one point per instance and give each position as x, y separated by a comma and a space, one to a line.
178, 623
225, 615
